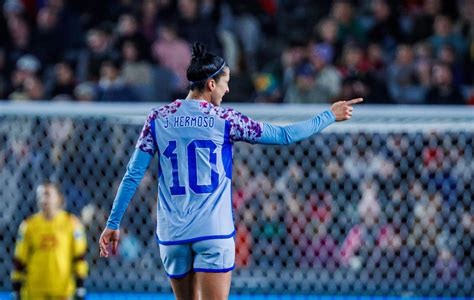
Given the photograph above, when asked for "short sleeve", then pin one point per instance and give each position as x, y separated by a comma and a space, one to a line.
242, 128
146, 142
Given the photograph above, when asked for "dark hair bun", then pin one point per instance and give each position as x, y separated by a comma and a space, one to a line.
199, 51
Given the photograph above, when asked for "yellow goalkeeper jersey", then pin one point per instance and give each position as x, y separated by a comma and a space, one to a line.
49, 254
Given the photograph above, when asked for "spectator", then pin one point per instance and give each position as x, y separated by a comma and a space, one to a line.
447, 54
135, 69
26, 67
423, 51
365, 240
241, 84
464, 24
34, 89
326, 32
358, 78
376, 60
248, 28
111, 86
142, 77
385, 30
173, 53
444, 34
20, 36
328, 79
353, 61
63, 83
31, 89
402, 79
127, 29
349, 28
149, 19
47, 40
193, 28
443, 90
303, 89
446, 266
282, 70
99, 48
69, 23
85, 92
421, 20
423, 64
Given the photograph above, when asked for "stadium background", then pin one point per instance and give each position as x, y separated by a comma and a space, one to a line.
381, 205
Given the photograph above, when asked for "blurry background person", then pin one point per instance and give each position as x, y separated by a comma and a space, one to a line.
328, 79
62, 82
443, 90
50, 248
403, 84
111, 86
303, 89
85, 92
172, 52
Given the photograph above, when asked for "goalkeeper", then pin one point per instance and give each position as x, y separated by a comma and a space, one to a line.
49, 260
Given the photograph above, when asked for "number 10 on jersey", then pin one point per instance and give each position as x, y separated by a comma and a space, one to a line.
192, 167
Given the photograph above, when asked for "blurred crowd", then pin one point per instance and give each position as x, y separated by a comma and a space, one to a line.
279, 51
401, 206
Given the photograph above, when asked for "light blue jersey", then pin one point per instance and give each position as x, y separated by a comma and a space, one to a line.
194, 197
193, 140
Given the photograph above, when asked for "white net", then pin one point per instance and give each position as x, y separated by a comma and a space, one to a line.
379, 205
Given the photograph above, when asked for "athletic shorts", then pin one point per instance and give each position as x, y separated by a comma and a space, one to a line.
214, 255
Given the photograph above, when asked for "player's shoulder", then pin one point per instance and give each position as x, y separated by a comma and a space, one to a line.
31, 222
71, 218
33, 219
226, 113
164, 110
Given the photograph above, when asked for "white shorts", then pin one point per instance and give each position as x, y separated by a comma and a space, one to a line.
214, 255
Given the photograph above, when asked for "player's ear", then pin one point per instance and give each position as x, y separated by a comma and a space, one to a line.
211, 84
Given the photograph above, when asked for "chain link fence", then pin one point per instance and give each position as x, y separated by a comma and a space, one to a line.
381, 205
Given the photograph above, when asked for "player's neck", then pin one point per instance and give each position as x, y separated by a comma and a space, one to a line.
50, 214
193, 95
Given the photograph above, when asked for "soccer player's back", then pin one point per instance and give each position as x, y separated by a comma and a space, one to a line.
194, 200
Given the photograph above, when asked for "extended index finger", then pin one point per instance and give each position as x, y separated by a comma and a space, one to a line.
355, 101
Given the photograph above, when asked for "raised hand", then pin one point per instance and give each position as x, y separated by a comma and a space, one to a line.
109, 236
343, 109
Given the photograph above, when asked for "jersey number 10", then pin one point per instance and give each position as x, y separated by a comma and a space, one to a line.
177, 188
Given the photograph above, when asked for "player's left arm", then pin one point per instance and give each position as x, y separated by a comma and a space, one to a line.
248, 130
145, 150
81, 267
340, 111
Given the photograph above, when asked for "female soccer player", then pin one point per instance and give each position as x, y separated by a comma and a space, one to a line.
193, 140
49, 260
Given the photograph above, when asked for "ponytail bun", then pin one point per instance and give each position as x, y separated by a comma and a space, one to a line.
199, 51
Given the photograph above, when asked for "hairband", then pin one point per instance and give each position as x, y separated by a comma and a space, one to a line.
213, 74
